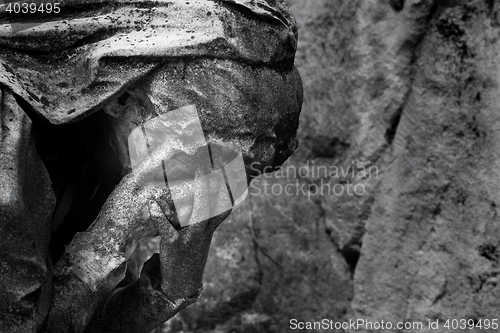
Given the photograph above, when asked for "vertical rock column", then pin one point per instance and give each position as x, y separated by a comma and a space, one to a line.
430, 251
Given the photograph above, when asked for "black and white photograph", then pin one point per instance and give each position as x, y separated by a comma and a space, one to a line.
249, 166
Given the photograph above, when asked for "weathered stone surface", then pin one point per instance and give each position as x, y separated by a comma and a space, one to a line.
430, 251
295, 271
255, 108
91, 57
26, 206
232, 59
270, 261
355, 58
408, 87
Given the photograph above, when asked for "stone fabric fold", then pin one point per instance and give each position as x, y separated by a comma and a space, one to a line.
68, 65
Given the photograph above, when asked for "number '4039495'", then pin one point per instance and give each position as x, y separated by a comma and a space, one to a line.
32, 8
471, 324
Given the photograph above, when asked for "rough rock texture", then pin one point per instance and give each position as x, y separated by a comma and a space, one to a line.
355, 58
270, 261
401, 98
274, 258
409, 88
431, 247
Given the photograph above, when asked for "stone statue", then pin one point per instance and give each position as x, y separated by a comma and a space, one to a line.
73, 86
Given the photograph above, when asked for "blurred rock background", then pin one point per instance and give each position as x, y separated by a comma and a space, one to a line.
407, 90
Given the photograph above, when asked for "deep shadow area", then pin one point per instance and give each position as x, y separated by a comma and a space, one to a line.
76, 181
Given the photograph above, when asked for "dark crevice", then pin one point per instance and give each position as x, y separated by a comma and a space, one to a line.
76, 182
390, 133
351, 254
489, 252
397, 5
122, 100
